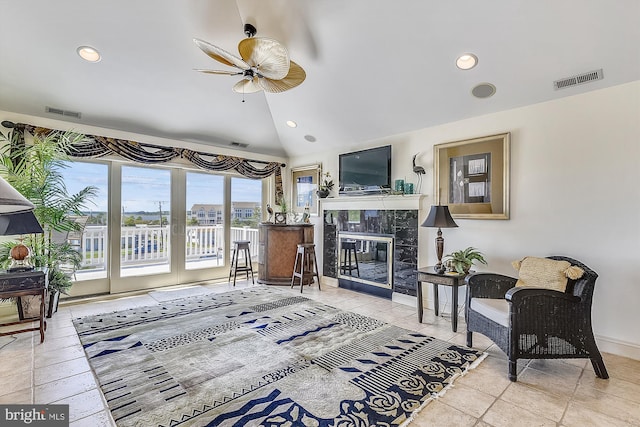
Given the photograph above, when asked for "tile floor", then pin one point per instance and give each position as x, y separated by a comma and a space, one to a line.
548, 393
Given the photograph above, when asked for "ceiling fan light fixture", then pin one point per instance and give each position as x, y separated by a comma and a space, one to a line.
466, 61
248, 75
260, 57
89, 54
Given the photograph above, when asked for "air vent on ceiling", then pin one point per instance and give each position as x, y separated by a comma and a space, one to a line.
578, 79
238, 144
62, 112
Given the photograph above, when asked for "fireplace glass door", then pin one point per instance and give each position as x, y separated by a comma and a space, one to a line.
366, 258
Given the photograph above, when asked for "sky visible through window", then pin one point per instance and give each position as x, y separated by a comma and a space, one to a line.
143, 188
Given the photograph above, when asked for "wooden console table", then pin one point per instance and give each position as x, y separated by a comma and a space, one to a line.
20, 284
277, 251
427, 274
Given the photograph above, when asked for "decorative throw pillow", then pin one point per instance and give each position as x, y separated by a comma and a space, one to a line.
545, 273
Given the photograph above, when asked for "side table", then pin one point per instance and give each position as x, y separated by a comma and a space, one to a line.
22, 283
428, 274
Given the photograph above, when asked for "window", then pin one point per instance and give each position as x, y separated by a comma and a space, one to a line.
92, 240
246, 199
146, 217
205, 244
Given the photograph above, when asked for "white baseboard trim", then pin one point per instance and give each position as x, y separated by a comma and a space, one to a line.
404, 299
445, 306
618, 347
329, 281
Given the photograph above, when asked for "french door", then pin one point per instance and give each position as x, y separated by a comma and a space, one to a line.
163, 226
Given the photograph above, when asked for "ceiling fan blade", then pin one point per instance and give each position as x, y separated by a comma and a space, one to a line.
247, 86
269, 56
294, 78
228, 73
221, 55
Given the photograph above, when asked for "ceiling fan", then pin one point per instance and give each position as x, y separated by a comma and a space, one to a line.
264, 64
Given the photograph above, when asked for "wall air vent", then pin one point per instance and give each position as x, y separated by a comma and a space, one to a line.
578, 79
238, 144
64, 113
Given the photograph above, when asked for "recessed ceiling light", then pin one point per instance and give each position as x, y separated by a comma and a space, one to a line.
291, 124
467, 61
89, 54
310, 138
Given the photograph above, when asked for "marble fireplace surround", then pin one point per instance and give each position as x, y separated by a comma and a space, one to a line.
381, 214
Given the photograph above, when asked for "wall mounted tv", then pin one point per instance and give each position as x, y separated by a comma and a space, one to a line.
365, 171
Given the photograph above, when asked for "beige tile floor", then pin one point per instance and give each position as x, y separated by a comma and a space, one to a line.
548, 393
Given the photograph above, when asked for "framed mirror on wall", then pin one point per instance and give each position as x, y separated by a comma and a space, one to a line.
472, 177
305, 182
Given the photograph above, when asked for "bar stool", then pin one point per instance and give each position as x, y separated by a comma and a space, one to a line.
349, 250
241, 245
306, 259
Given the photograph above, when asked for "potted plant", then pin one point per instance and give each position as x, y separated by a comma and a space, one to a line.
461, 261
325, 186
34, 169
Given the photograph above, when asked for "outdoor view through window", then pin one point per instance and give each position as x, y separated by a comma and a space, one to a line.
146, 228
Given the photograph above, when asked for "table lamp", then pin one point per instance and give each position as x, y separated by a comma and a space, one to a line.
439, 216
16, 217
19, 223
11, 200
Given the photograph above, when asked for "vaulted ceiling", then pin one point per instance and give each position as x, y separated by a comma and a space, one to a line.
374, 68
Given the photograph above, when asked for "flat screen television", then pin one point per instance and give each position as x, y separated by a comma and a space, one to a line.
365, 171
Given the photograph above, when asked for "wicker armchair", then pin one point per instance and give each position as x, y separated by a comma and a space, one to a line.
534, 323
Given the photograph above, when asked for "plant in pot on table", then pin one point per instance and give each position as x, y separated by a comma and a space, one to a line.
325, 186
35, 170
462, 260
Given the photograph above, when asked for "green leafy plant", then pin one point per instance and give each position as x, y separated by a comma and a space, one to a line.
284, 208
35, 170
461, 261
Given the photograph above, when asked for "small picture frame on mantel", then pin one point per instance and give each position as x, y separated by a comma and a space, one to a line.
280, 218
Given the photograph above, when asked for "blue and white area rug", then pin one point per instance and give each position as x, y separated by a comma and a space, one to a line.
264, 357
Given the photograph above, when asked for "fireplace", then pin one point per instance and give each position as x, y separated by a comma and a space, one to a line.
395, 230
365, 259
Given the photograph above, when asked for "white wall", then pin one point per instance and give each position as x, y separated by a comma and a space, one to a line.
575, 191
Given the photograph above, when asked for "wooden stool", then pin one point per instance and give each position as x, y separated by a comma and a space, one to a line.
306, 259
349, 249
241, 245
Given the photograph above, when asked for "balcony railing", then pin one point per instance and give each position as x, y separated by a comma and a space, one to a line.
151, 245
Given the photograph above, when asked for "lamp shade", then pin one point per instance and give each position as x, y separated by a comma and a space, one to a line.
19, 223
439, 216
11, 200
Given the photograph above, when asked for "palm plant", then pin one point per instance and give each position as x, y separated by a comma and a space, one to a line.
461, 261
35, 170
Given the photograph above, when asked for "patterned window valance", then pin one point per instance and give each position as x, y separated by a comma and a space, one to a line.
93, 146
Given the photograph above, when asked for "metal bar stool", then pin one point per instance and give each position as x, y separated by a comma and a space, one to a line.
241, 245
349, 250
308, 265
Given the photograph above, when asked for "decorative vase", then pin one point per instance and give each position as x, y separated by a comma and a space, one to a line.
323, 194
